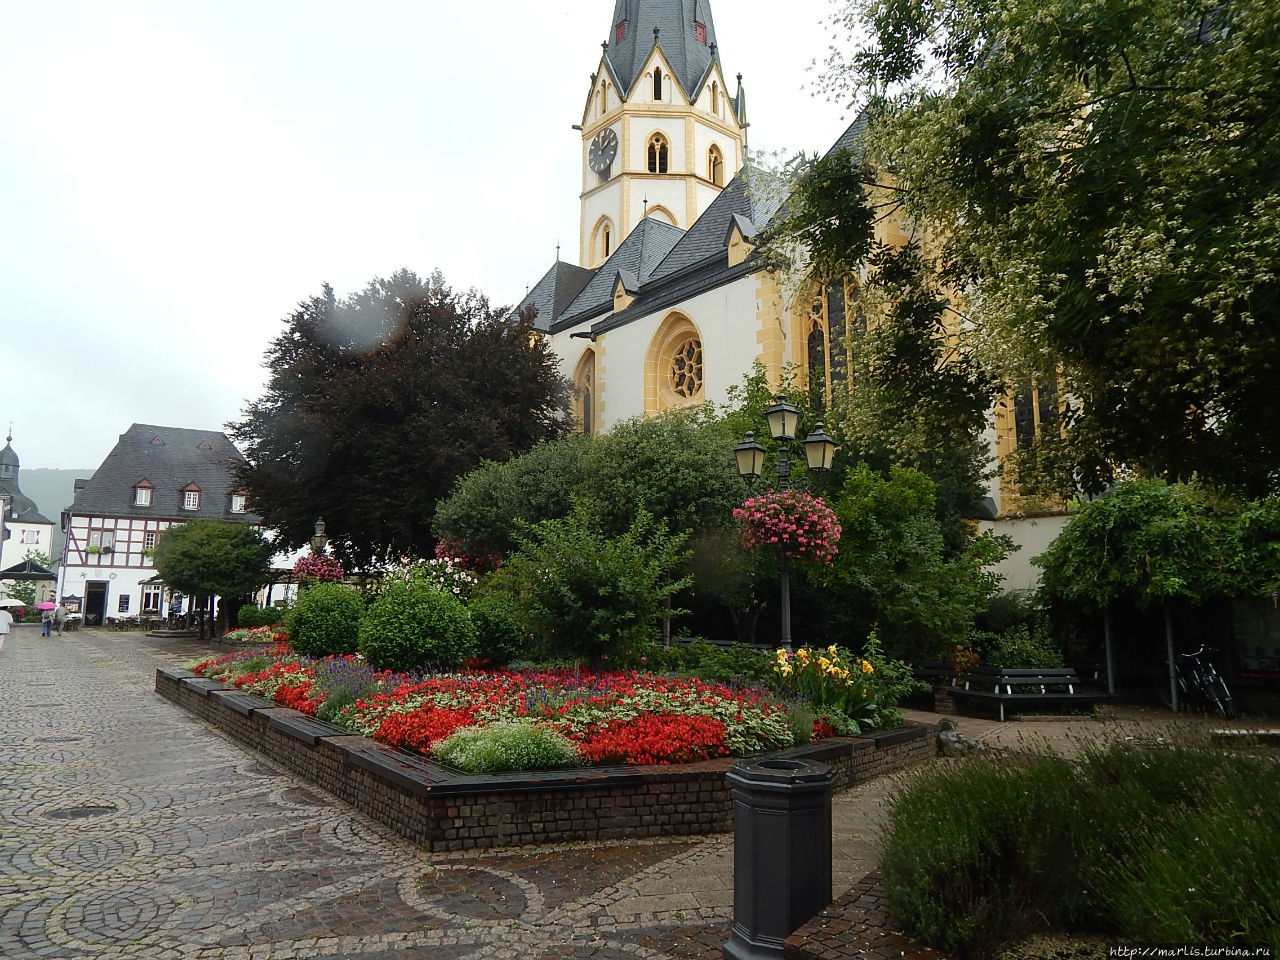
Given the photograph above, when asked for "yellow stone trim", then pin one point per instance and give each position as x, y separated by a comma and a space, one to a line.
769, 331
739, 248
674, 331
600, 379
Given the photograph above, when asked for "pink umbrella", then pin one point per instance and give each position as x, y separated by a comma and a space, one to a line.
45, 605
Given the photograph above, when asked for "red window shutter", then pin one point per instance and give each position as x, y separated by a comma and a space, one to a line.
700, 30
620, 32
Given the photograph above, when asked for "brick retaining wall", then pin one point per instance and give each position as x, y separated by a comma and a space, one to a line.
441, 809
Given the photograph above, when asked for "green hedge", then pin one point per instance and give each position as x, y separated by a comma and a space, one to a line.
325, 620
413, 625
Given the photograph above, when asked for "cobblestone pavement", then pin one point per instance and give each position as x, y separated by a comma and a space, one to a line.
130, 829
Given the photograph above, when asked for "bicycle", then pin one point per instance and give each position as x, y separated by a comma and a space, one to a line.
1200, 685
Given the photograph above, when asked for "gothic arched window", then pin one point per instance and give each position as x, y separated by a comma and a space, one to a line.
715, 166
658, 150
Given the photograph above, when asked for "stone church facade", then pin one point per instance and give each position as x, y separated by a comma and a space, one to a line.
668, 305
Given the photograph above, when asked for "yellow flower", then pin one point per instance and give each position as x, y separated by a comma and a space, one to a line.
824, 663
782, 655
802, 655
785, 669
833, 651
867, 668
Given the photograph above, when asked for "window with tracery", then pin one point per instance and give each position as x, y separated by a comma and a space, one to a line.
715, 166
686, 368
658, 150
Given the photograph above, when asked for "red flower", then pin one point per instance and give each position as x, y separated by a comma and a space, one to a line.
657, 738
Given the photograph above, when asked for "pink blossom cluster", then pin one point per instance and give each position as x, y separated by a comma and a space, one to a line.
313, 567
799, 525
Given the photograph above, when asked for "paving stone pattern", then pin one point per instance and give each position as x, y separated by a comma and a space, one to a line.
131, 829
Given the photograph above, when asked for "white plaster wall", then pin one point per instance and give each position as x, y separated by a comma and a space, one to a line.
1033, 535
725, 317
657, 190
602, 204
13, 550
642, 128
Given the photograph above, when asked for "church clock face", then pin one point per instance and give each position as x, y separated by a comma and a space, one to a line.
602, 151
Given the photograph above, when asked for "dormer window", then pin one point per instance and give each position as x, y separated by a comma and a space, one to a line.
700, 31
191, 497
142, 493
238, 501
619, 32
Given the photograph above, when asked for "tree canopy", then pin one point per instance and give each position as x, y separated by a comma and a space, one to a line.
1149, 541
207, 558
377, 403
1104, 180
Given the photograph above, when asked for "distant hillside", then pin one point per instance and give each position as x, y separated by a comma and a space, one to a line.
52, 490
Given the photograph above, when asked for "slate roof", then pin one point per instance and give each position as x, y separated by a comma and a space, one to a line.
555, 291
675, 19
853, 137
636, 257
21, 507
27, 570
169, 458
664, 265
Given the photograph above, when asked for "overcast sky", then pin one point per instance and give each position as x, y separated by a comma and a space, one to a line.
175, 175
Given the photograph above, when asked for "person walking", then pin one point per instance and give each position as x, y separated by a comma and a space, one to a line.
6, 621
46, 623
60, 617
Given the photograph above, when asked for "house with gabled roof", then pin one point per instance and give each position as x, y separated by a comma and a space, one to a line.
154, 477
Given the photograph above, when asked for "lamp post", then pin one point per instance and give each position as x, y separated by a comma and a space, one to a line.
819, 449
319, 541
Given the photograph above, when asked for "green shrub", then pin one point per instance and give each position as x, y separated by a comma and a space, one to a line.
325, 620
581, 593
507, 746
250, 616
1152, 843
1026, 646
500, 638
412, 624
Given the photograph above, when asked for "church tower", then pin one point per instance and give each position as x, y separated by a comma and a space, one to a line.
661, 135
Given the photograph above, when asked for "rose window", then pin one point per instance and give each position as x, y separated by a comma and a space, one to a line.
686, 368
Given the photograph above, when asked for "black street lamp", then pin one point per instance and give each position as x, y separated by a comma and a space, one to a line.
319, 541
784, 419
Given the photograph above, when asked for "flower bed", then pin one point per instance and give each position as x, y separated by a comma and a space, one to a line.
616, 717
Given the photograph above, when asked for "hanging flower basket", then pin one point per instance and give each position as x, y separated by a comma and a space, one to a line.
322, 568
800, 525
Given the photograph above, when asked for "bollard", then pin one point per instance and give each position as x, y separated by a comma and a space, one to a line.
781, 853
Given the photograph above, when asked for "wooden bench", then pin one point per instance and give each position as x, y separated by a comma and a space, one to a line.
1027, 688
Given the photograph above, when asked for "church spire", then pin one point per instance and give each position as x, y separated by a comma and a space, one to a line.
683, 29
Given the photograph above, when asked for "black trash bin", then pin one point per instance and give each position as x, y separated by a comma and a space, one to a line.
781, 852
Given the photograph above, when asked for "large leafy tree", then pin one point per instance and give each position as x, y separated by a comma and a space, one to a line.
207, 558
909, 390
894, 573
377, 403
1104, 179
